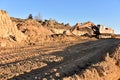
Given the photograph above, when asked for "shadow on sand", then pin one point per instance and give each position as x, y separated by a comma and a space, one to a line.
70, 63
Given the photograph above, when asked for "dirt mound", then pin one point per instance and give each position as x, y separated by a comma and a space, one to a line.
8, 29
17, 20
31, 22
34, 30
109, 69
40, 31
55, 27
55, 24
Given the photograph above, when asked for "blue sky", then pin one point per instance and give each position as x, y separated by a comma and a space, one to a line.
106, 12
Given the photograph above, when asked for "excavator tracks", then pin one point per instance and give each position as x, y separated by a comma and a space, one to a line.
51, 62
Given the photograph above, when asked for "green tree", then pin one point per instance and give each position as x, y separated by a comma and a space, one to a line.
30, 16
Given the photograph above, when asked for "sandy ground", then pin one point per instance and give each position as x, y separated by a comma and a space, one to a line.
52, 61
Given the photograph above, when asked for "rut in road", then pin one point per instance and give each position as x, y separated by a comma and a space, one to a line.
64, 63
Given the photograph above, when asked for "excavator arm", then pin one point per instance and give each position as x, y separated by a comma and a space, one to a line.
83, 25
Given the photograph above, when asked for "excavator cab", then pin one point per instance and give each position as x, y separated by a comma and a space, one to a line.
105, 32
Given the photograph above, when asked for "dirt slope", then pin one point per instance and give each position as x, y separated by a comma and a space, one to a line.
34, 30
8, 29
108, 69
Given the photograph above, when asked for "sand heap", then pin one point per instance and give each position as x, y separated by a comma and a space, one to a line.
8, 29
108, 69
55, 27
34, 30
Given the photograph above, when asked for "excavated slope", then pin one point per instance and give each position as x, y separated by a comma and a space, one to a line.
109, 69
34, 30
8, 29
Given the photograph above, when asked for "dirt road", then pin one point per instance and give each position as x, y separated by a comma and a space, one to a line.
52, 61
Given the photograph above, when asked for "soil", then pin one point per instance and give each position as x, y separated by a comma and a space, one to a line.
53, 60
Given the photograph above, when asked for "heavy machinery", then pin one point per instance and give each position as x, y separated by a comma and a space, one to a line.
103, 32
90, 29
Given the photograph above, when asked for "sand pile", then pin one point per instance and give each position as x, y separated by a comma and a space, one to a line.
8, 29
108, 69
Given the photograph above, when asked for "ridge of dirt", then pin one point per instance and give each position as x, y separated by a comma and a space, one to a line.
108, 69
8, 29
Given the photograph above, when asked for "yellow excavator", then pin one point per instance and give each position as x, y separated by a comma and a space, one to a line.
90, 29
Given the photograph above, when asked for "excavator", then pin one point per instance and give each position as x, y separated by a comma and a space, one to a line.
90, 29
